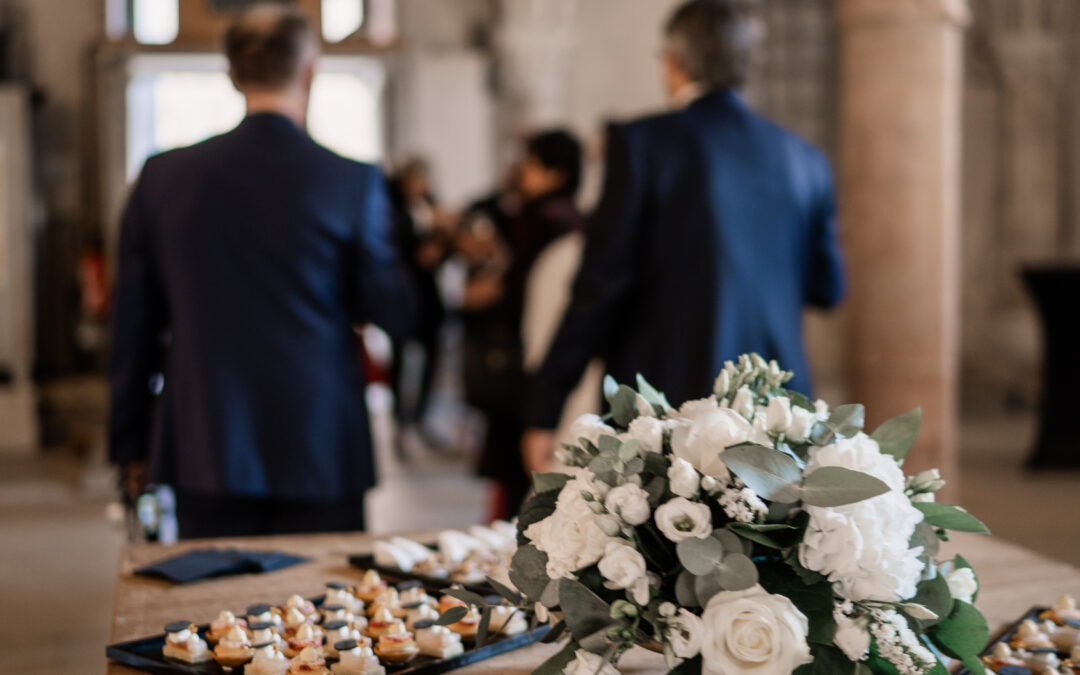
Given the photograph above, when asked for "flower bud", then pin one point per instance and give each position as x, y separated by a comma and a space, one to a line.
596, 507
608, 525
667, 610
778, 415
587, 496
743, 404
708, 484
722, 384
758, 362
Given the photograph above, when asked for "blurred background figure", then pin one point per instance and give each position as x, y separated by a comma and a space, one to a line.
504, 237
715, 229
245, 261
423, 232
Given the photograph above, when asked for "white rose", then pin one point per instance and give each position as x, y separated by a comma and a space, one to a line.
701, 437
570, 535
802, 422
589, 427
630, 502
962, 583
752, 632
624, 567
648, 432
681, 518
683, 478
778, 415
743, 403
587, 663
685, 633
863, 547
852, 636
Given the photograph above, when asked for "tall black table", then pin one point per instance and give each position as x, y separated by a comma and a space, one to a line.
1056, 291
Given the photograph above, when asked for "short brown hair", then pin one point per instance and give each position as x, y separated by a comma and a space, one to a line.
713, 41
266, 44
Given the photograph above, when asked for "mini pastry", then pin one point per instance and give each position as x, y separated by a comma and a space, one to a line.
234, 650
389, 555
262, 613
437, 641
338, 593
268, 661
468, 625
391, 600
1065, 638
220, 626
294, 618
1064, 612
336, 613
507, 620
380, 623
396, 645
370, 586
307, 636
412, 591
419, 612
264, 632
308, 662
1001, 656
305, 607
1030, 636
337, 631
182, 642
356, 659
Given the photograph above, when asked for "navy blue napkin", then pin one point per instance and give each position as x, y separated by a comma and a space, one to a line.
206, 563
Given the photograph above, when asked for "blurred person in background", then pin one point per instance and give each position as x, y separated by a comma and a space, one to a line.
424, 233
715, 229
245, 262
504, 237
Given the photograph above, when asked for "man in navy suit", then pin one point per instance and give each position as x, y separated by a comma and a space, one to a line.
715, 229
244, 263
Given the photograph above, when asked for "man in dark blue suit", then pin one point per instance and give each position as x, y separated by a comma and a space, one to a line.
245, 261
715, 229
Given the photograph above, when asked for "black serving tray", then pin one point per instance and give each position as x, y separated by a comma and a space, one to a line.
145, 655
433, 585
1005, 635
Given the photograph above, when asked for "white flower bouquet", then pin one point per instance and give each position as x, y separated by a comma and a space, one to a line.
749, 532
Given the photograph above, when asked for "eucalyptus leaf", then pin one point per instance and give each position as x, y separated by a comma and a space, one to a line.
509, 594
628, 450
799, 399
609, 444
555, 633
737, 572
550, 597
767, 471
951, 518
624, 406
684, 590
549, 482
602, 463
452, 615
822, 433
896, 436
700, 555
848, 419
465, 596
528, 571
634, 466
926, 537
611, 387
706, 586
774, 535
534, 510
558, 662
656, 463
584, 611
655, 488
963, 634
483, 626
836, 486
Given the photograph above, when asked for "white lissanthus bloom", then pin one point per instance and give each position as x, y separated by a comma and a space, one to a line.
863, 547
570, 536
778, 415
589, 427
722, 383
630, 502
702, 430
852, 632
898, 644
743, 403
753, 632
587, 663
684, 633
962, 583
683, 478
740, 503
681, 518
624, 567
648, 432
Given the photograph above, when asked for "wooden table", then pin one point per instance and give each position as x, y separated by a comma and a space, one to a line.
1012, 578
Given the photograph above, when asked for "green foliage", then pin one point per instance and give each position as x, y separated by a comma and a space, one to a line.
584, 611
951, 518
534, 510
700, 555
549, 482
771, 535
963, 634
528, 571
959, 562
836, 486
934, 595
688, 667
452, 615
559, 661
897, 435
510, 595
815, 600
768, 472
656, 398
624, 406
828, 660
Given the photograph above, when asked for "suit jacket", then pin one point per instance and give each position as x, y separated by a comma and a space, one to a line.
244, 263
714, 230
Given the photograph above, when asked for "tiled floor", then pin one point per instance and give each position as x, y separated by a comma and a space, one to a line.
58, 551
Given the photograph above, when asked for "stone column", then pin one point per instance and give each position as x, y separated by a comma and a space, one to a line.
899, 187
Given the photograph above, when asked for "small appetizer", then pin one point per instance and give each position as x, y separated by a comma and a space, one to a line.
263, 632
263, 613
337, 631
182, 642
308, 662
220, 626
341, 594
305, 607
468, 625
396, 645
410, 592
356, 659
307, 636
437, 641
391, 600
268, 660
448, 601
507, 620
1032, 637
370, 586
294, 618
234, 650
419, 612
336, 613
1064, 612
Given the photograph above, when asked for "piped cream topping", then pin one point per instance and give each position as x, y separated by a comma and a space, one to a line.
371, 579
383, 616
438, 636
295, 618
305, 633
295, 601
268, 653
1002, 652
179, 637
1065, 602
236, 636
264, 635
359, 658
309, 656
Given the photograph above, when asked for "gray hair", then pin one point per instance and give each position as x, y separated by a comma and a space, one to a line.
713, 41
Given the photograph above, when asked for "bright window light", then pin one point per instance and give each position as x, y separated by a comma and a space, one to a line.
341, 18
156, 22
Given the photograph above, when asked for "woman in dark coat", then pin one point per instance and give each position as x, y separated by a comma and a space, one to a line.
546, 183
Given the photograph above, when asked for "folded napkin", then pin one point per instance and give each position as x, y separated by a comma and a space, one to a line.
205, 563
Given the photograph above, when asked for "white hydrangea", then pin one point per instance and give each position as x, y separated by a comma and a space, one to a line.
863, 547
570, 536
